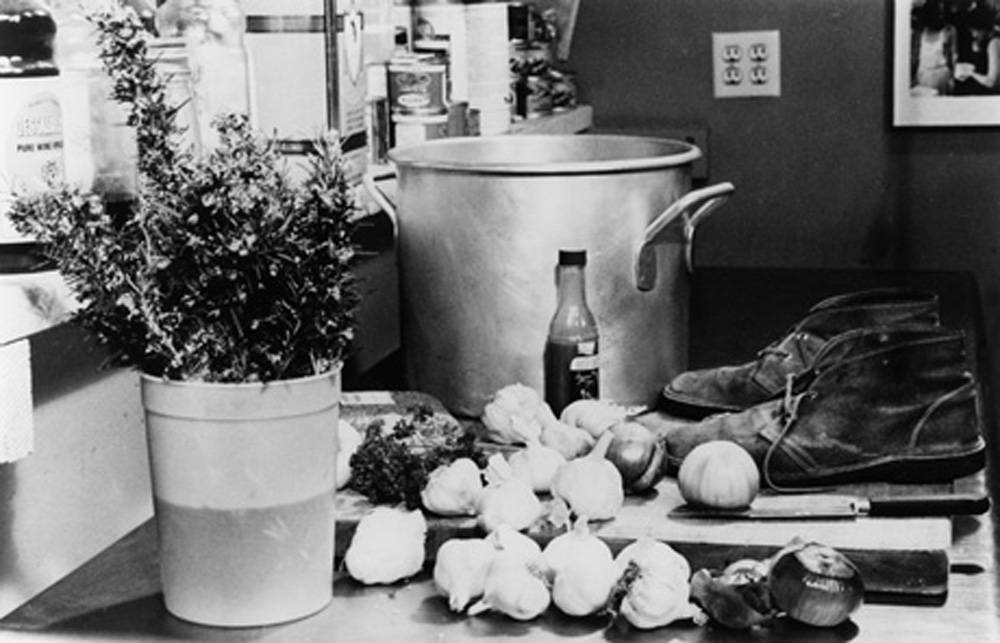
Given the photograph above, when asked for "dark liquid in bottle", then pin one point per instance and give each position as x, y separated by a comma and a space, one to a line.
570, 374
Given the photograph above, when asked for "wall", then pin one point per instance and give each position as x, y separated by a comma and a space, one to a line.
822, 177
86, 484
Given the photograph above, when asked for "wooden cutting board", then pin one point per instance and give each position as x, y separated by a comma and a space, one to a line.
903, 557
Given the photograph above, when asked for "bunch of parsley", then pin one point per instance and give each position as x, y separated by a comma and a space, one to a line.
391, 466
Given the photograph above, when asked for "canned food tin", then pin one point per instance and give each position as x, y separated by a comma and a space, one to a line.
410, 130
444, 21
418, 85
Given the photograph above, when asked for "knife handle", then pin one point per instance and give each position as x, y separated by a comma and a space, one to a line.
929, 505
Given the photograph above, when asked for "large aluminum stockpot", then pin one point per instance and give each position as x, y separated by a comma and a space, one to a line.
480, 224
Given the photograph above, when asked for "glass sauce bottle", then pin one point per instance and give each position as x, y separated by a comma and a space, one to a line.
571, 349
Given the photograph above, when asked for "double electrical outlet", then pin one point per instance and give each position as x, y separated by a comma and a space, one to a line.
746, 63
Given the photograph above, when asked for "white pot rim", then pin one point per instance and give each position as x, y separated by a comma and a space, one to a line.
166, 381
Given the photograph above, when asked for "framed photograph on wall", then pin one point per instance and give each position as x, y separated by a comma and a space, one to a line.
946, 63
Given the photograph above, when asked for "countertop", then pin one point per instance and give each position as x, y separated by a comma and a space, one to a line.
734, 313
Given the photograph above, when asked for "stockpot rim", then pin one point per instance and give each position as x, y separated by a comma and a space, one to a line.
457, 154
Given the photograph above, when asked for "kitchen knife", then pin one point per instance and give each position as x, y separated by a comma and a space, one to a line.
842, 507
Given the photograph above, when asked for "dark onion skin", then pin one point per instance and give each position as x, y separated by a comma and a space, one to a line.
637, 454
737, 599
816, 584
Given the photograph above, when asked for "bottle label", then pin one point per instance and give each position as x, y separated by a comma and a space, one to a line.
571, 372
583, 363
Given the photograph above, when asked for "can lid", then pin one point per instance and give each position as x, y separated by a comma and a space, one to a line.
572, 257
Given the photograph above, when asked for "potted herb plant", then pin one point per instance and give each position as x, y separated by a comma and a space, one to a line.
229, 287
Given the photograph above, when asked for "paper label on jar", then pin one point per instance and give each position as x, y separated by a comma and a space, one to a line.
35, 156
32, 154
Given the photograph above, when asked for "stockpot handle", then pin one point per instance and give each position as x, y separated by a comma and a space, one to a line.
703, 202
370, 179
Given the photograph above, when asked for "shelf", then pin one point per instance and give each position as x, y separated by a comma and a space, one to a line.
32, 302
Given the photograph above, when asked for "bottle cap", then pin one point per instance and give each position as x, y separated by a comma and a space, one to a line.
572, 257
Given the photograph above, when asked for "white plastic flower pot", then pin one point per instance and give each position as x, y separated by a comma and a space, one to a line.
243, 485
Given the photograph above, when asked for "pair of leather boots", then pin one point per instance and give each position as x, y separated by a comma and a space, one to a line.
867, 387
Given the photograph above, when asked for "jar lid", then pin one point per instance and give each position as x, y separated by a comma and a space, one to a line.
27, 37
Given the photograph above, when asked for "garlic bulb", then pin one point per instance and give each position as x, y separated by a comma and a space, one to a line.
387, 546
593, 416
569, 441
655, 558
506, 498
652, 602
508, 539
536, 464
453, 489
460, 569
583, 570
653, 584
515, 587
510, 417
591, 485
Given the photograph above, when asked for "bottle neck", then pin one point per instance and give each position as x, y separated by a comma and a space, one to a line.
572, 285
573, 319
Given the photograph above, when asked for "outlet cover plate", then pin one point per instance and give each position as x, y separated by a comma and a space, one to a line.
746, 63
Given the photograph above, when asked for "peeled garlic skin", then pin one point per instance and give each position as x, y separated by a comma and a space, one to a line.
460, 570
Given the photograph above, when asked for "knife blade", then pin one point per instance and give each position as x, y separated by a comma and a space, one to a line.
842, 507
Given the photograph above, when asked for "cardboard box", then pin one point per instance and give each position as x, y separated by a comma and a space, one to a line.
308, 73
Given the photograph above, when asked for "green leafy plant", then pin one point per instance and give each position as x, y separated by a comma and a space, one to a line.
222, 268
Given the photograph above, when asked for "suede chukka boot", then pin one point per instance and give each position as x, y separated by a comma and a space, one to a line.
891, 404
700, 393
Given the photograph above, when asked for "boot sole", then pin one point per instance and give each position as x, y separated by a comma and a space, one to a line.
688, 410
895, 470
898, 470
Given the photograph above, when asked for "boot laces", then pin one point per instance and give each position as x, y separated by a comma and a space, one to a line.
783, 349
789, 412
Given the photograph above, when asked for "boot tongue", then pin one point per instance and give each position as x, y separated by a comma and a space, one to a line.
793, 354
